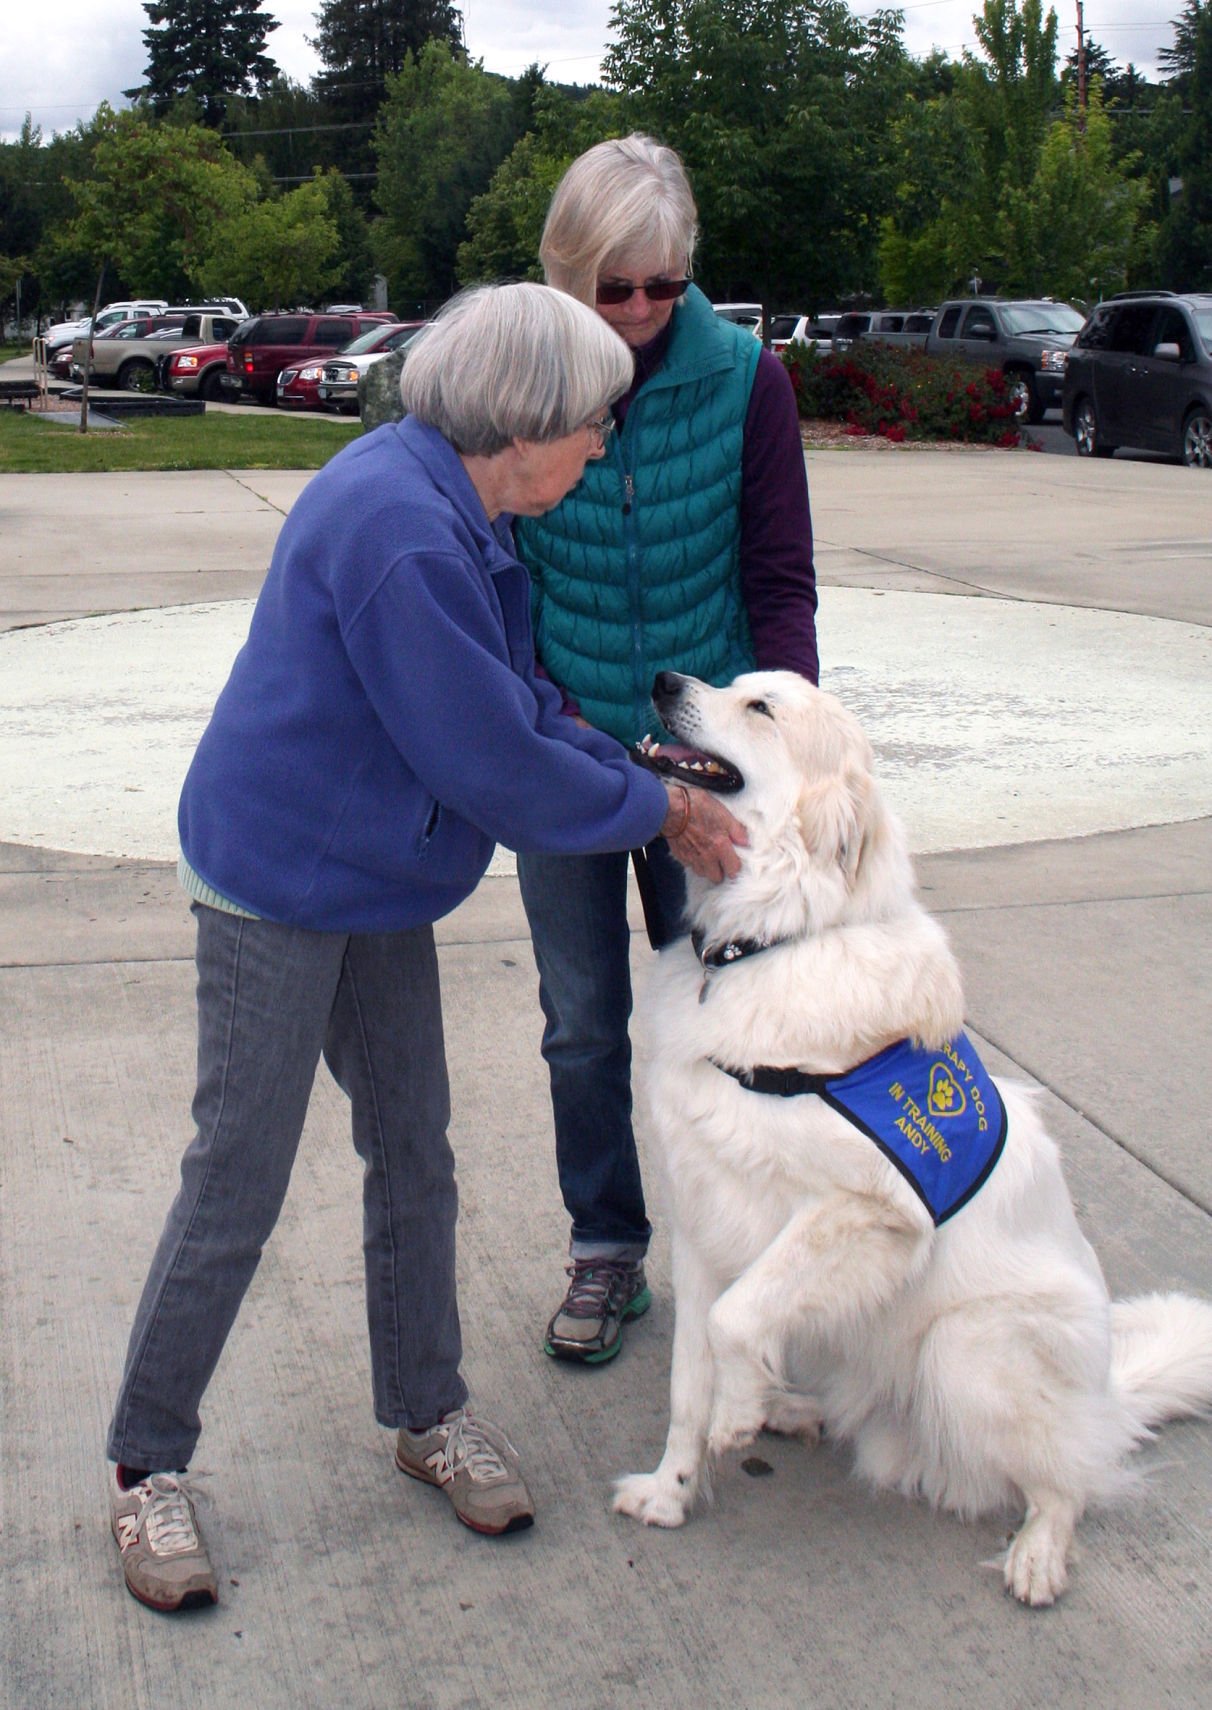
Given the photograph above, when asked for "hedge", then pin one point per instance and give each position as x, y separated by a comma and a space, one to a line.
902, 394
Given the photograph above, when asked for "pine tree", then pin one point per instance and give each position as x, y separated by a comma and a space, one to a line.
363, 42
1177, 62
207, 49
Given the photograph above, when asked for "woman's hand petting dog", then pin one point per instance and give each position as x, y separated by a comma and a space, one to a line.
703, 835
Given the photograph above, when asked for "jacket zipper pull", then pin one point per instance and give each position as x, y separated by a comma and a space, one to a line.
628, 494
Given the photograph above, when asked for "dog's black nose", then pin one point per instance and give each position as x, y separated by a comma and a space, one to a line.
667, 684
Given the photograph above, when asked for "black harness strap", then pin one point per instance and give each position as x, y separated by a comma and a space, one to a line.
782, 1083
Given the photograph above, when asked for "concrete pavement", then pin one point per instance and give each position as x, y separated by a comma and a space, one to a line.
345, 1585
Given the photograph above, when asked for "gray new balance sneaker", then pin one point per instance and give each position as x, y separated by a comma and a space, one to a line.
602, 1295
163, 1558
476, 1465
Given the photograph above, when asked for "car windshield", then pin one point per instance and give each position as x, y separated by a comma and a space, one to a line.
364, 341
1042, 318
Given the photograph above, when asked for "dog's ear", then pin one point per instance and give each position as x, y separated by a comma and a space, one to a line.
833, 814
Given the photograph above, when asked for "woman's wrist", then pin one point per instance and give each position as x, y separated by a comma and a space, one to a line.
678, 817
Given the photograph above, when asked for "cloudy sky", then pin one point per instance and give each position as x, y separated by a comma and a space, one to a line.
59, 65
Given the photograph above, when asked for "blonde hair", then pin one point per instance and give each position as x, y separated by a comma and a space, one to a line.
619, 201
506, 362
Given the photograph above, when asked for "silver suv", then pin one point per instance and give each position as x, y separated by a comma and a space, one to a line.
1141, 374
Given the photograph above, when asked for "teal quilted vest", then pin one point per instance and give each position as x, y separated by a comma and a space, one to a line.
638, 570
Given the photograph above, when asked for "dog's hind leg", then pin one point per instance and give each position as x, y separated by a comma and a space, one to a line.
664, 1497
792, 1415
829, 1269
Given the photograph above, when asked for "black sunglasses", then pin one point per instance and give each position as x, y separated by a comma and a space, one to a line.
656, 291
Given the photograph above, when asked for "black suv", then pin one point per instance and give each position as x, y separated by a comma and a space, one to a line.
1141, 374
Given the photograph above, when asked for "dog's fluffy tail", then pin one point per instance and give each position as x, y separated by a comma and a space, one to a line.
1161, 1358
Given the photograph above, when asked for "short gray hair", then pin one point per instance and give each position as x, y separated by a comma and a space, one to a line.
618, 201
506, 362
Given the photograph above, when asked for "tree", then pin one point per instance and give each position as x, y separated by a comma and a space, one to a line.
440, 135
780, 112
278, 253
1074, 231
1178, 61
1011, 94
210, 49
1185, 248
153, 199
505, 223
364, 42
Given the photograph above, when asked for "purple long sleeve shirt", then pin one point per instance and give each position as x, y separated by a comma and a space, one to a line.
778, 581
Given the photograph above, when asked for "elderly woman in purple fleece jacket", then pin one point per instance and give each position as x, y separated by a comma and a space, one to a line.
382, 726
687, 547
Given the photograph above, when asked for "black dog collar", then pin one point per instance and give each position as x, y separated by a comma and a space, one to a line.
724, 955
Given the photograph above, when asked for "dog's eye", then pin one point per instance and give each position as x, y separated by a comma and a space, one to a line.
760, 707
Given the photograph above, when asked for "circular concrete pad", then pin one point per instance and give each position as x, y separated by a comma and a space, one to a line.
994, 721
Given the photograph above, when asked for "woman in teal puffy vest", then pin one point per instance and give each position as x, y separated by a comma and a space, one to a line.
688, 547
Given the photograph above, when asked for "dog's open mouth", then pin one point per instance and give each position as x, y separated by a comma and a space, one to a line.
687, 765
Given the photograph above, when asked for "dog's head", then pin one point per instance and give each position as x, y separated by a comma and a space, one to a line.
796, 768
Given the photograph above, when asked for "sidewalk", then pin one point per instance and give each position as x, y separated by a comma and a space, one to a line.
346, 1587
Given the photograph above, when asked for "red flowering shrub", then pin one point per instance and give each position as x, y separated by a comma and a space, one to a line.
901, 394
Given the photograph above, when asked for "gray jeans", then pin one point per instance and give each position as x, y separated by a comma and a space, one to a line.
270, 1000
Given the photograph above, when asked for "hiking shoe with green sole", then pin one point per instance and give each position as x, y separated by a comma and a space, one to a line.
476, 1465
163, 1558
602, 1296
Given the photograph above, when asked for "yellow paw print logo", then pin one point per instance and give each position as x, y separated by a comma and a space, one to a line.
946, 1096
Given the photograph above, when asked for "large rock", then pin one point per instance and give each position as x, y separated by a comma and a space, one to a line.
379, 392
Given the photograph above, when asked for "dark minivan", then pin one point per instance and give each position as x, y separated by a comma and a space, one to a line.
1140, 374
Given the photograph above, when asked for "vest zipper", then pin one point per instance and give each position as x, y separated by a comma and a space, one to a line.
642, 690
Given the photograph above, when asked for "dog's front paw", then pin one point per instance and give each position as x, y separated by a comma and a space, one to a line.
1034, 1568
653, 1498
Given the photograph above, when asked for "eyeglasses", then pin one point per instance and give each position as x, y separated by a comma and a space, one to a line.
656, 291
602, 426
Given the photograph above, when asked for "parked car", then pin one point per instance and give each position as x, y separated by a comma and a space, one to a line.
1029, 340
131, 364
849, 329
743, 314
263, 346
59, 362
801, 329
1140, 374
111, 317
907, 329
340, 375
195, 372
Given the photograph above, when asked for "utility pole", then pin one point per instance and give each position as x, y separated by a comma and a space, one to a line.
1081, 67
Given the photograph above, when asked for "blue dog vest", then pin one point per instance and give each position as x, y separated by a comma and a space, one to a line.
936, 1115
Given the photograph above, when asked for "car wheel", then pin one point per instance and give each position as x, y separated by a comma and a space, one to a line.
137, 375
1085, 431
212, 388
1024, 397
1197, 440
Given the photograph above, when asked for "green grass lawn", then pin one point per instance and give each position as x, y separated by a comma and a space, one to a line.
29, 446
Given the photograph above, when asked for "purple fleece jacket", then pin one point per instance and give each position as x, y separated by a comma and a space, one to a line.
383, 725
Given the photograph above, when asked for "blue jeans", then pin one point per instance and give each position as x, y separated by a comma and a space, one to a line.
271, 999
577, 909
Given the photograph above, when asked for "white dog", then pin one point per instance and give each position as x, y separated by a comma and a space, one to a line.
899, 1277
